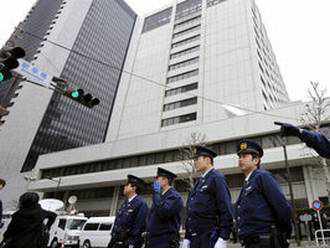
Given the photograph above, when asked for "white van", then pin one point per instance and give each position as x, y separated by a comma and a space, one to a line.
66, 230
97, 232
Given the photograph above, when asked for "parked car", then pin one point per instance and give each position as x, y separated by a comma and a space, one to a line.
66, 230
97, 232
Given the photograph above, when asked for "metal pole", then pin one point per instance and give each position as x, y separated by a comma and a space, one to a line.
297, 236
321, 226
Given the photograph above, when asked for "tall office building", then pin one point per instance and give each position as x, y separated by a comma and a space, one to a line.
199, 53
190, 64
86, 44
38, 22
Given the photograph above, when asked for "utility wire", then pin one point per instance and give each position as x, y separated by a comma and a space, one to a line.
152, 81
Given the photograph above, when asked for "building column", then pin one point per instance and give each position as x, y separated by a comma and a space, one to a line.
310, 191
114, 202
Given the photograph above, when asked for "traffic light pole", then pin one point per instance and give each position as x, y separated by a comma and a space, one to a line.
297, 235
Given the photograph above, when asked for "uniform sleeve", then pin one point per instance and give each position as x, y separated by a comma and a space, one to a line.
276, 199
316, 141
168, 207
225, 208
139, 225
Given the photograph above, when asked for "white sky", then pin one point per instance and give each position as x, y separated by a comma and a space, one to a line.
298, 30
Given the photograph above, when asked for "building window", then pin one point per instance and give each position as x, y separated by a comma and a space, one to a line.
187, 31
211, 3
182, 89
187, 8
183, 76
157, 20
179, 119
222, 148
184, 52
179, 104
186, 41
184, 63
187, 22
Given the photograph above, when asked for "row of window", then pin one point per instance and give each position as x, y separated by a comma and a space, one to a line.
184, 63
179, 119
185, 52
211, 3
187, 31
187, 8
221, 148
186, 41
157, 20
179, 104
187, 22
183, 76
181, 89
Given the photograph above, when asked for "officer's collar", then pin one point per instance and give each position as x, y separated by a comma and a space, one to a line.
131, 199
167, 191
205, 174
251, 175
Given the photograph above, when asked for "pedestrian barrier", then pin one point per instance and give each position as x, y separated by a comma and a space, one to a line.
323, 236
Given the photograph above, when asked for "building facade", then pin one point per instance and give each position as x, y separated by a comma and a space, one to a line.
86, 43
38, 21
186, 63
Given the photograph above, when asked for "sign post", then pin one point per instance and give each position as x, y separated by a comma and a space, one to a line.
306, 218
317, 206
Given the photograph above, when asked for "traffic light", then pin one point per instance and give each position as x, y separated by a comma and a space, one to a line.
8, 61
79, 96
75, 93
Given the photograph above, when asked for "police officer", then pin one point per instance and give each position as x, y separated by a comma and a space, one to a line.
313, 139
164, 219
130, 219
263, 214
210, 212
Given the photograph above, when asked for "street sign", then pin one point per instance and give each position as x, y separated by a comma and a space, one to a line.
317, 205
33, 73
305, 217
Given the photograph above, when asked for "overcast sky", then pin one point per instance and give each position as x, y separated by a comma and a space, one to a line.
298, 30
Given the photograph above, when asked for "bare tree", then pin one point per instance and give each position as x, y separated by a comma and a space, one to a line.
314, 115
187, 153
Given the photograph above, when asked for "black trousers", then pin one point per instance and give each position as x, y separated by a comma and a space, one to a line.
163, 241
202, 240
264, 242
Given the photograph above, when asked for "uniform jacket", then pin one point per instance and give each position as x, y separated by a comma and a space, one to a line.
209, 207
131, 220
164, 216
316, 141
260, 205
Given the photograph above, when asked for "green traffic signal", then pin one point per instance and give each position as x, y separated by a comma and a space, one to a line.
75, 94
5, 74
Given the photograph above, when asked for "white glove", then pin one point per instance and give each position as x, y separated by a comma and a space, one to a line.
186, 243
220, 243
130, 246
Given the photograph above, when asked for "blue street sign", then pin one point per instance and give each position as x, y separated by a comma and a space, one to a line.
317, 205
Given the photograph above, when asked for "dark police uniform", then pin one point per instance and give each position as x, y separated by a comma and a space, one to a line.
130, 220
164, 219
210, 211
313, 139
263, 215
